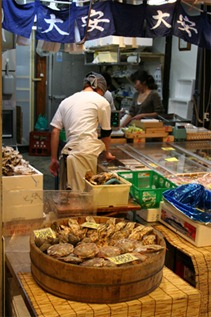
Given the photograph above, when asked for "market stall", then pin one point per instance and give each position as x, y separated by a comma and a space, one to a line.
172, 297
131, 157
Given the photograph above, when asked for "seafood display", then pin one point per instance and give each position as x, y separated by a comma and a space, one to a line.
199, 178
96, 259
90, 243
13, 163
104, 178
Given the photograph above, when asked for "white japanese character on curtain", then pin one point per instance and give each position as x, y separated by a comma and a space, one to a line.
95, 19
160, 19
52, 24
186, 25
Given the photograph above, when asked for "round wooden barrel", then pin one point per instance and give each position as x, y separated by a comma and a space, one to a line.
96, 284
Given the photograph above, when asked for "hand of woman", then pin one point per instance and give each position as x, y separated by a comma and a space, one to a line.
138, 117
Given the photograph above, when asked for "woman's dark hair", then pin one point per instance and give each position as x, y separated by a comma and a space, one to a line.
144, 78
108, 79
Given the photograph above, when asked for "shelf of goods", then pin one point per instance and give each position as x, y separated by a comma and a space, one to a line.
121, 57
117, 49
121, 72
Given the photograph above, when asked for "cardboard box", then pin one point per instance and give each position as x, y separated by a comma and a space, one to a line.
22, 196
109, 195
147, 123
106, 57
192, 231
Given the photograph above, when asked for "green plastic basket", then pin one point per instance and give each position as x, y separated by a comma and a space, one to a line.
147, 187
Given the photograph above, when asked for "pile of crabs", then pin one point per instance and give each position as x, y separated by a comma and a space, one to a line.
96, 244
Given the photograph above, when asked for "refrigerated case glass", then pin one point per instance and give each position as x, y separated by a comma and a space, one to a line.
170, 158
200, 149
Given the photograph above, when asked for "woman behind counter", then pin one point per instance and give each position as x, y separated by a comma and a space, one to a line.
146, 101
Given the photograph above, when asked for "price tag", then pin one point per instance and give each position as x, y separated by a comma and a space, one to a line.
171, 159
91, 225
44, 233
153, 165
122, 258
167, 148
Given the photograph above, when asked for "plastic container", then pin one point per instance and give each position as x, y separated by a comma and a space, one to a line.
147, 187
109, 195
40, 143
22, 196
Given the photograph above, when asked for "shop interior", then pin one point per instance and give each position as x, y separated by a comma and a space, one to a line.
174, 149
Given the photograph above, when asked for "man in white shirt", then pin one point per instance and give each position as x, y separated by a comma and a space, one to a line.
108, 96
80, 115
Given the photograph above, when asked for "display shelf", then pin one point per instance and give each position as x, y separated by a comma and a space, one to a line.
153, 156
110, 57
122, 57
182, 103
200, 149
124, 49
120, 63
168, 157
194, 145
143, 159
181, 107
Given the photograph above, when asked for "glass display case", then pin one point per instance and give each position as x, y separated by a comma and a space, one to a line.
179, 162
167, 158
198, 149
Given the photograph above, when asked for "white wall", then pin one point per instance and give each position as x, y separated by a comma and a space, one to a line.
183, 64
183, 67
